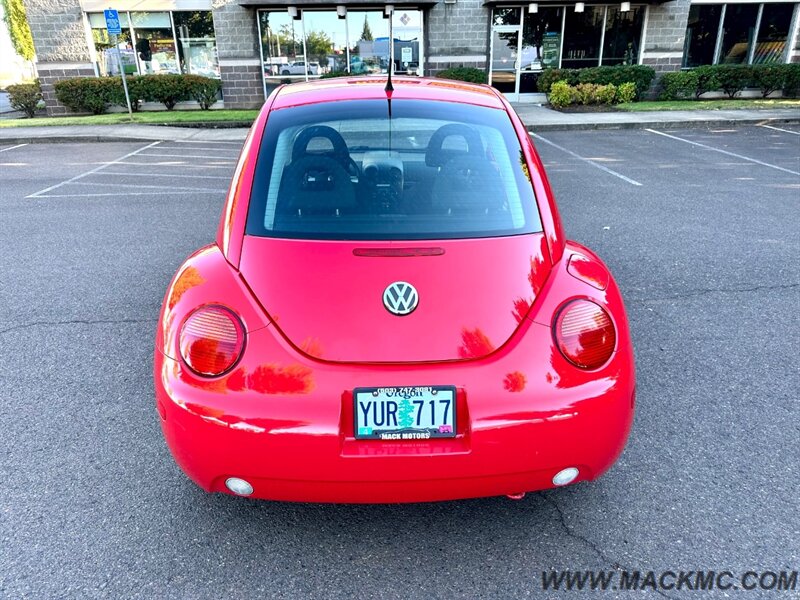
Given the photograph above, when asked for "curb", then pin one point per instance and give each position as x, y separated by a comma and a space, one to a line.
660, 124
95, 137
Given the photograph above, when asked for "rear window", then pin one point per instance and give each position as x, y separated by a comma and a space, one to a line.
354, 171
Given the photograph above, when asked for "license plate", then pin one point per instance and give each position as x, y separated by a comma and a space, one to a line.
405, 413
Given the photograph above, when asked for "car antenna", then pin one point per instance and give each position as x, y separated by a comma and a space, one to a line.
388, 10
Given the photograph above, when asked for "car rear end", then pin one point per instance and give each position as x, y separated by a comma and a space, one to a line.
395, 328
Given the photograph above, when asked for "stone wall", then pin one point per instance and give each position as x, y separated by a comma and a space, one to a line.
457, 35
236, 30
62, 48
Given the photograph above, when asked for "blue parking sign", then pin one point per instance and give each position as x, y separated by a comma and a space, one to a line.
112, 21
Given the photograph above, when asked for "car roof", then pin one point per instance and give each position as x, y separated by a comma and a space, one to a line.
373, 87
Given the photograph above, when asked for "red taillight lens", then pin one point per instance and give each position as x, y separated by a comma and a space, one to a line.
212, 340
585, 334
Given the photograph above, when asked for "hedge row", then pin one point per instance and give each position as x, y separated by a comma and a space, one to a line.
731, 79
96, 94
25, 97
562, 94
640, 75
470, 74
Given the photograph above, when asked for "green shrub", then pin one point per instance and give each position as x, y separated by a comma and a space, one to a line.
25, 97
561, 94
791, 84
678, 85
626, 92
137, 91
203, 89
550, 76
732, 79
89, 94
768, 78
168, 89
586, 93
641, 75
333, 74
606, 94
706, 80
470, 74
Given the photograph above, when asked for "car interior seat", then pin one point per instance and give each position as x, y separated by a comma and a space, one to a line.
318, 182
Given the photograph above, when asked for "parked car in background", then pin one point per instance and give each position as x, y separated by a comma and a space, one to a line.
300, 67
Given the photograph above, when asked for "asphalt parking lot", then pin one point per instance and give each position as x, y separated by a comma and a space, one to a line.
698, 226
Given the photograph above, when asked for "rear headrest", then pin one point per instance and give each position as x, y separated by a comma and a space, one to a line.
300, 148
314, 185
436, 156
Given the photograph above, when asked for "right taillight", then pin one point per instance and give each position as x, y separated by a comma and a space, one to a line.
585, 334
212, 340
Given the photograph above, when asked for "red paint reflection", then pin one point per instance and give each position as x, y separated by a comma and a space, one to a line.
515, 381
474, 343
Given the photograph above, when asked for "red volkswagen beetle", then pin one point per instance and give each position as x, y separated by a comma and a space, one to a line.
390, 311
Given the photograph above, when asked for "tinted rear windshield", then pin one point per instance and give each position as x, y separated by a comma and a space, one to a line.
354, 171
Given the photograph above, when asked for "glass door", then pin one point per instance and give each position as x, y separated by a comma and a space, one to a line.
541, 46
505, 51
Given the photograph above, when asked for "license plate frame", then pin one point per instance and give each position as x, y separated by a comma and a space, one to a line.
442, 423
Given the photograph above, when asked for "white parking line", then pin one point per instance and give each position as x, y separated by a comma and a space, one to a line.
154, 187
170, 175
586, 160
739, 156
173, 163
126, 194
95, 170
12, 147
230, 151
188, 155
779, 129
206, 142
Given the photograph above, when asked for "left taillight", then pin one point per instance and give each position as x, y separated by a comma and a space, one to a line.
212, 340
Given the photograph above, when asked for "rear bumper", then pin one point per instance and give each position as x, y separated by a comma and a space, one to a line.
286, 426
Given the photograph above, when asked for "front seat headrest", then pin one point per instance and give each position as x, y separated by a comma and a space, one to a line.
436, 156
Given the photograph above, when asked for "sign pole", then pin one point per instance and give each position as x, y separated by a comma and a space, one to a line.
114, 29
124, 81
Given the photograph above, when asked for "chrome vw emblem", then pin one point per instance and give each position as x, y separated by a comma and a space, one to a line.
400, 298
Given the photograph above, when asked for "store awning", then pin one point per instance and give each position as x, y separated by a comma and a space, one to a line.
302, 4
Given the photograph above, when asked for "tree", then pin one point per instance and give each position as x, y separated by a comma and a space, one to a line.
18, 29
319, 46
366, 33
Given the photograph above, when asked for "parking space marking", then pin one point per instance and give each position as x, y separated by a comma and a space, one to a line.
219, 151
186, 155
587, 160
170, 175
116, 194
207, 142
95, 170
721, 151
12, 147
173, 163
153, 187
779, 129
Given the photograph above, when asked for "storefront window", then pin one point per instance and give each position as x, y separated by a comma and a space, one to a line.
104, 49
541, 45
773, 33
506, 16
701, 34
369, 42
147, 43
582, 31
154, 42
197, 47
326, 42
746, 38
738, 32
623, 33
407, 30
321, 42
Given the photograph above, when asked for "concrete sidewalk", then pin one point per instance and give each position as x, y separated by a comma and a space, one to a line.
537, 118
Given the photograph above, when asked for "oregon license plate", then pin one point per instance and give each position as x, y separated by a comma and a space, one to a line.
405, 413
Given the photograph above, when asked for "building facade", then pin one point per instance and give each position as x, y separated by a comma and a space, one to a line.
255, 45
